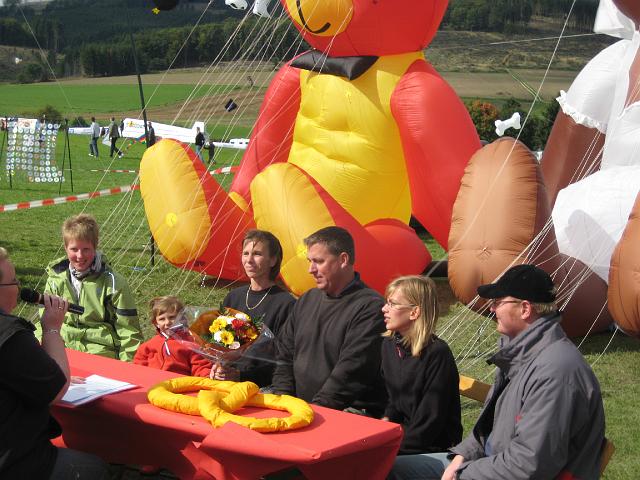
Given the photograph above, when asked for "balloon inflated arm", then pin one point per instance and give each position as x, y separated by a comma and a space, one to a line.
503, 125
272, 135
438, 138
260, 8
236, 4
574, 147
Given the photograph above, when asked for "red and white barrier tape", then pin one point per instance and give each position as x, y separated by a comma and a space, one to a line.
224, 170
70, 198
115, 171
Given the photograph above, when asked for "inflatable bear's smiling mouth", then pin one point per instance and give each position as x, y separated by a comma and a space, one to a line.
324, 18
322, 29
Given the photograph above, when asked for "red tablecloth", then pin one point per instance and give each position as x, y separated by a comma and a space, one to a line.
125, 428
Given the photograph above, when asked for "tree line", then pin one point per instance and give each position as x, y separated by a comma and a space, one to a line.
88, 37
508, 16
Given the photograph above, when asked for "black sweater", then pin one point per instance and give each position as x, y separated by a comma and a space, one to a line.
274, 308
29, 380
423, 395
330, 350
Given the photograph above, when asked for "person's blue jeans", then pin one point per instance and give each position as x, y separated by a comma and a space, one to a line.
428, 466
93, 147
75, 465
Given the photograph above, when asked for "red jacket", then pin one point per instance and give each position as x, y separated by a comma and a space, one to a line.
171, 355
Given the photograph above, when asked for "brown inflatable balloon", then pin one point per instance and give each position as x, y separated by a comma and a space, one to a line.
501, 208
624, 279
571, 154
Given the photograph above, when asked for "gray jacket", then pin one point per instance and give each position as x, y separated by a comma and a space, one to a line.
549, 419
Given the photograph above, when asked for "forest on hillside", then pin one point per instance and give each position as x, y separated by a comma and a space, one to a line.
91, 37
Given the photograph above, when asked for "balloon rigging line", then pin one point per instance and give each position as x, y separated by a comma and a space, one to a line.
227, 250
502, 167
220, 54
184, 280
249, 202
606, 347
175, 57
44, 57
508, 42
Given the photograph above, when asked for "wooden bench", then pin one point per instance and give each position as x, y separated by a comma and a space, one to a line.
477, 390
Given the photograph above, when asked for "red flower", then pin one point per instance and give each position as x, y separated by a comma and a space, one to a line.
238, 324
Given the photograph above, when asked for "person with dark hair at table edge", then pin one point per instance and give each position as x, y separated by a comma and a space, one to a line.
543, 417
94, 136
199, 141
419, 369
114, 135
109, 325
32, 377
329, 348
262, 298
152, 134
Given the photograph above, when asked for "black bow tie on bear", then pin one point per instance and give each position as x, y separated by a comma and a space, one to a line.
350, 67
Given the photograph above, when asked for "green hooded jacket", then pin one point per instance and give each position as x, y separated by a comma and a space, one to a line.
109, 325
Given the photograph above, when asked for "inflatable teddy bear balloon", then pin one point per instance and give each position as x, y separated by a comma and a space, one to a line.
590, 175
360, 132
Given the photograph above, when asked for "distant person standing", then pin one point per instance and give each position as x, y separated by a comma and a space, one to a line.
199, 142
95, 134
114, 135
211, 149
152, 135
121, 127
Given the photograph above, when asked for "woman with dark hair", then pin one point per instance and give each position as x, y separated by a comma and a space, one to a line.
262, 298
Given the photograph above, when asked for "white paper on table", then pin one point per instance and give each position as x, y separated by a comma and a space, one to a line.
95, 386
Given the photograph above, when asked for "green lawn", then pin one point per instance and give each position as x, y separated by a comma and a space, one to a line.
33, 239
71, 100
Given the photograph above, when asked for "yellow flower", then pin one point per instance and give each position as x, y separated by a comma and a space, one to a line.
252, 333
226, 338
217, 325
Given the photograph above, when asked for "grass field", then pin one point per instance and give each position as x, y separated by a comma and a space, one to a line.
104, 100
33, 238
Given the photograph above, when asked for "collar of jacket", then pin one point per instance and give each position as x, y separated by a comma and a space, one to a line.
528, 344
62, 264
349, 67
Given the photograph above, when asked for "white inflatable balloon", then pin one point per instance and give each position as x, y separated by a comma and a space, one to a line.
237, 4
589, 216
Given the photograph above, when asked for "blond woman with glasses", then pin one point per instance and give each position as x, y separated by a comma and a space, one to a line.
419, 370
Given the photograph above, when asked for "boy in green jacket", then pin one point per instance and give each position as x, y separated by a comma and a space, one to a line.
109, 325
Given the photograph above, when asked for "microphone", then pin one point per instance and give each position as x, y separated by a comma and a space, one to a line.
31, 296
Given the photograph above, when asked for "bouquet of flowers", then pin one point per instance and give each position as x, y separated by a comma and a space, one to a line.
222, 335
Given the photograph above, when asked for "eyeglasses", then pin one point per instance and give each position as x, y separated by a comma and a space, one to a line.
391, 304
496, 303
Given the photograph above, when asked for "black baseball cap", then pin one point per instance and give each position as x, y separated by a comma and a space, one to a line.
525, 282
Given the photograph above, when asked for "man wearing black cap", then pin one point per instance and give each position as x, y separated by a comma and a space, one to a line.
543, 417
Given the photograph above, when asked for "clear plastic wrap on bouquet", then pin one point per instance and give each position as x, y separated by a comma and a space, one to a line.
223, 335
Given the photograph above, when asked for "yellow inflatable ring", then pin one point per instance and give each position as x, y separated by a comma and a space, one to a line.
217, 400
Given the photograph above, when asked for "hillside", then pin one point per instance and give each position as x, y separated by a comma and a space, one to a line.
91, 37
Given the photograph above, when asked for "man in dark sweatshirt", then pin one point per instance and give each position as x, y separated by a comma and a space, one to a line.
329, 348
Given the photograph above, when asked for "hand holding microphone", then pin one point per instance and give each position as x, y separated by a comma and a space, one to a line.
31, 296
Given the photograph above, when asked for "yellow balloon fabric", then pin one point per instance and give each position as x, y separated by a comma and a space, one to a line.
217, 400
175, 202
356, 153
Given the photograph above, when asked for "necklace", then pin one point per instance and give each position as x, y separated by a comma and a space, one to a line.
246, 300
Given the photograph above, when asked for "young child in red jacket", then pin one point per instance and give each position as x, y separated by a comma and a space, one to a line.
165, 353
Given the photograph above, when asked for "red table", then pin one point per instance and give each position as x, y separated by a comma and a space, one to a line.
125, 428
